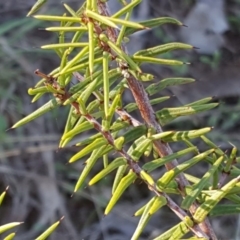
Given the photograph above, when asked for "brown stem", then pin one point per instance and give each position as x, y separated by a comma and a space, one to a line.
133, 164
148, 115
137, 170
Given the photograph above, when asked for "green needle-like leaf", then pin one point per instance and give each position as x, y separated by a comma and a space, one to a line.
178, 231
119, 175
113, 165
150, 166
94, 145
143, 221
8, 226
171, 174
230, 160
127, 23
167, 115
115, 104
145, 77
140, 211
44, 109
36, 7
74, 60
200, 102
66, 29
37, 97
73, 98
126, 9
143, 59
70, 10
118, 143
147, 178
58, 18
77, 129
34, 91
122, 186
204, 209
81, 66
2, 196
234, 198
196, 190
102, 19
167, 82
181, 135
80, 86
71, 120
96, 154
49, 231
123, 28
64, 45
94, 73
64, 60
154, 23
89, 90
212, 145
121, 54
115, 128
159, 201
91, 46
150, 52
10, 236
225, 209
138, 151
167, 234
148, 150
106, 87
134, 133
181, 230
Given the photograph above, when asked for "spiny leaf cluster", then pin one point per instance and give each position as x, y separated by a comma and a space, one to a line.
6, 227
104, 70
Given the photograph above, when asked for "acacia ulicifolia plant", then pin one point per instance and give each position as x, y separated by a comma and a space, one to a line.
96, 100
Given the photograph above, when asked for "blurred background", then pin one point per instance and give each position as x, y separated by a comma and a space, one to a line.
41, 184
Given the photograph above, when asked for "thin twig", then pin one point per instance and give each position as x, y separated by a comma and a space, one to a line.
137, 170
135, 167
149, 117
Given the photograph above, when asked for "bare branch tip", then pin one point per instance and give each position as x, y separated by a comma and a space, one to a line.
42, 29
10, 128
232, 144
196, 48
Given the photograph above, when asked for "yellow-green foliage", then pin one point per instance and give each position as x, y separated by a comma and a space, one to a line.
97, 99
